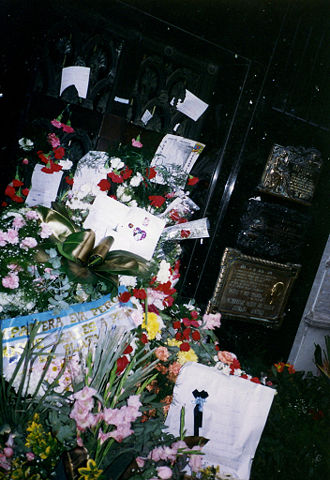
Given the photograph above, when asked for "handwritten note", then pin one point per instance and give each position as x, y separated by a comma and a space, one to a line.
44, 187
234, 416
192, 106
77, 76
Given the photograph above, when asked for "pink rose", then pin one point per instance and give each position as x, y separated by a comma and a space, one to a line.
164, 472
226, 357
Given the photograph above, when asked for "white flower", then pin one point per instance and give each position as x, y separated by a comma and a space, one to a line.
66, 164
136, 180
116, 163
127, 280
163, 274
133, 203
25, 144
122, 194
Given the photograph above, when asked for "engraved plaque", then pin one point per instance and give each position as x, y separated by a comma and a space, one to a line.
272, 230
292, 173
252, 289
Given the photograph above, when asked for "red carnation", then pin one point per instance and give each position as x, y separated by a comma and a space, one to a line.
176, 325
156, 200
151, 173
122, 363
185, 233
124, 297
186, 333
196, 335
25, 192
184, 347
139, 293
42, 156
168, 301
67, 128
69, 180
192, 180
10, 191
128, 350
255, 380
127, 173
115, 178
153, 309
178, 336
4, 204
104, 185
144, 338
59, 153
166, 288
194, 314
17, 198
16, 183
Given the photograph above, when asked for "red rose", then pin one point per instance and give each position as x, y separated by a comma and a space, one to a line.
192, 180
144, 338
104, 185
122, 363
176, 325
151, 173
124, 297
59, 153
139, 293
185, 233
184, 347
196, 335
156, 200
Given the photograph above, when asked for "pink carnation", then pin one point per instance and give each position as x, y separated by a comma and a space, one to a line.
56, 123
10, 281
164, 472
32, 215
53, 140
18, 223
226, 357
46, 231
28, 242
211, 321
162, 353
3, 238
12, 236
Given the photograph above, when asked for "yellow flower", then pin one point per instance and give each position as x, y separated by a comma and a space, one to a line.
90, 472
171, 342
153, 325
189, 356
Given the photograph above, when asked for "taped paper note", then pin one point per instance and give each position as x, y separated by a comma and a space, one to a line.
44, 187
77, 76
192, 106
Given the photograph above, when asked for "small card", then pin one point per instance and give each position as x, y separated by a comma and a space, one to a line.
44, 187
133, 228
175, 157
192, 106
77, 76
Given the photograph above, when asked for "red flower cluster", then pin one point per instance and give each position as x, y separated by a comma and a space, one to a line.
51, 166
184, 331
16, 195
176, 217
156, 200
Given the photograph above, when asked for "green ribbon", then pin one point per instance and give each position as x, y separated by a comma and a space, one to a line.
84, 262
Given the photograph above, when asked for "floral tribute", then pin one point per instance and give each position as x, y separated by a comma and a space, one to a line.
98, 414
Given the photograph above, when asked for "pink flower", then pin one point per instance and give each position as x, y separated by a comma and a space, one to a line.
134, 401
140, 461
164, 472
56, 123
123, 431
25, 161
211, 321
30, 456
46, 231
136, 142
53, 140
3, 238
85, 396
103, 436
67, 128
28, 242
162, 353
226, 357
32, 215
12, 236
4, 462
195, 461
10, 281
18, 223
8, 451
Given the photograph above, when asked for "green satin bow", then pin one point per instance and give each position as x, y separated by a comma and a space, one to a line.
84, 262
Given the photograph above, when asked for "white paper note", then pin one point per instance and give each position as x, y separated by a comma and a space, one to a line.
77, 76
192, 106
44, 187
177, 155
90, 170
233, 416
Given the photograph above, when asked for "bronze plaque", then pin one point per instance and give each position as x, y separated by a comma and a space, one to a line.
292, 173
253, 289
